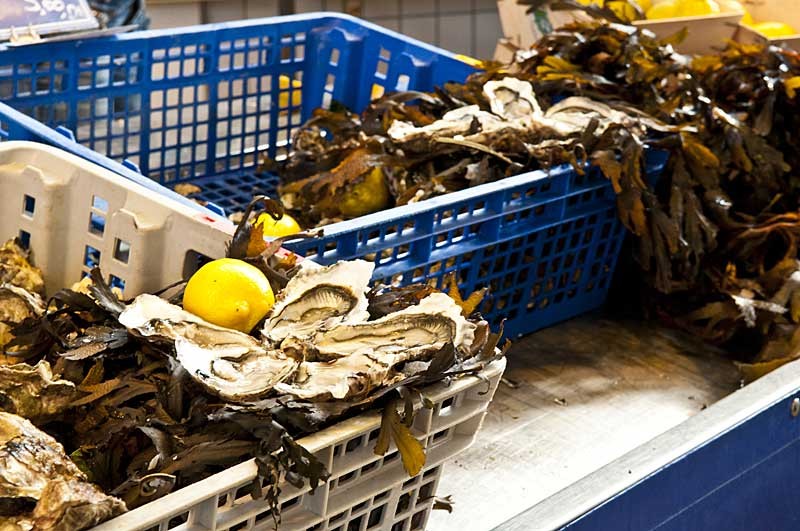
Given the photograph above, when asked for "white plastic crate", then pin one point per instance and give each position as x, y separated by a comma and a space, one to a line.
75, 215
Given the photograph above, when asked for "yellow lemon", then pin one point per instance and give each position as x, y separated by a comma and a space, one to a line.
698, 8
370, 195
284, 83
477, 63
747, 19
283, 227
665, 9
644, 5
230, 293
774, 29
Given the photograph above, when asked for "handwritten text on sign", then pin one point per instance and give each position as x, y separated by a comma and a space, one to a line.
44, 17
65, 11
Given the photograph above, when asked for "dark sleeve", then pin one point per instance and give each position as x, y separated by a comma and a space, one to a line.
111, 13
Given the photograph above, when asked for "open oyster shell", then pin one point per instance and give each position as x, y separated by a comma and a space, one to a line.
40, 488
515, 110
412, 333
318, 297
350, 377
229, 363
351, 360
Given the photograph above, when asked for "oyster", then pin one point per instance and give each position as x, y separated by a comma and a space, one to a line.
228, 363
15, 269
350, 377
71, 505
320, 297
512, 99
351, 360
515, 109
31, 391
410, 334
16, 305
40, 488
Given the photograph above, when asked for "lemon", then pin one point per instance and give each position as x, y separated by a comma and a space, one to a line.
283, 227
747, 19
698, 8
774, 29
665, 9
644, 5
370, 195
284, 82
230, 293
477, 63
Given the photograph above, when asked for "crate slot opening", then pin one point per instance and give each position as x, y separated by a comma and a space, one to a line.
28, 205
122, 250
375, 518
25, 239
193, 261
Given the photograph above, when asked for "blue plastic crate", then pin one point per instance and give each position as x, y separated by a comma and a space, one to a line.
16, 126
199, 105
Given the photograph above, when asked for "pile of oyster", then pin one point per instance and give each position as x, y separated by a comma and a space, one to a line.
107, 405
317, 344
409, 146
40, 487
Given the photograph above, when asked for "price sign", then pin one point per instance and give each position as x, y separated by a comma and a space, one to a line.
44, 17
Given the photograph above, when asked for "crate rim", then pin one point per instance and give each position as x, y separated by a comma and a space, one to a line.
57, 138
41, 169
185, 498
318, 16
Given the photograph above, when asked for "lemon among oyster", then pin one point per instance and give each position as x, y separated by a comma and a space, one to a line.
317, 343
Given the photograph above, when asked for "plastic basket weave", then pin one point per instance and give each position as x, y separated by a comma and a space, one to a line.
199, 104
75, 215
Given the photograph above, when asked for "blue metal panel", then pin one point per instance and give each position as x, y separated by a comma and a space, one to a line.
745, 479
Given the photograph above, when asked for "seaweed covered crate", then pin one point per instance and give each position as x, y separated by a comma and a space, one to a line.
199, 104
75, 215
544, 243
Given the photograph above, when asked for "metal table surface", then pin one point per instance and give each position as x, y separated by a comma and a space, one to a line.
732, 467
588, 392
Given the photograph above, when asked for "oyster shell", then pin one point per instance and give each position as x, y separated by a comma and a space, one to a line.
354, 359
229, 363
320, 297
512, 99
350, 377
41, 488
410, 334
31, 391
72, 505
15, 269
515, 109
16, 305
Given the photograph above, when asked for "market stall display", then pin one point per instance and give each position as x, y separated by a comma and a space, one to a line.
511, 189
146, 397
207, 127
